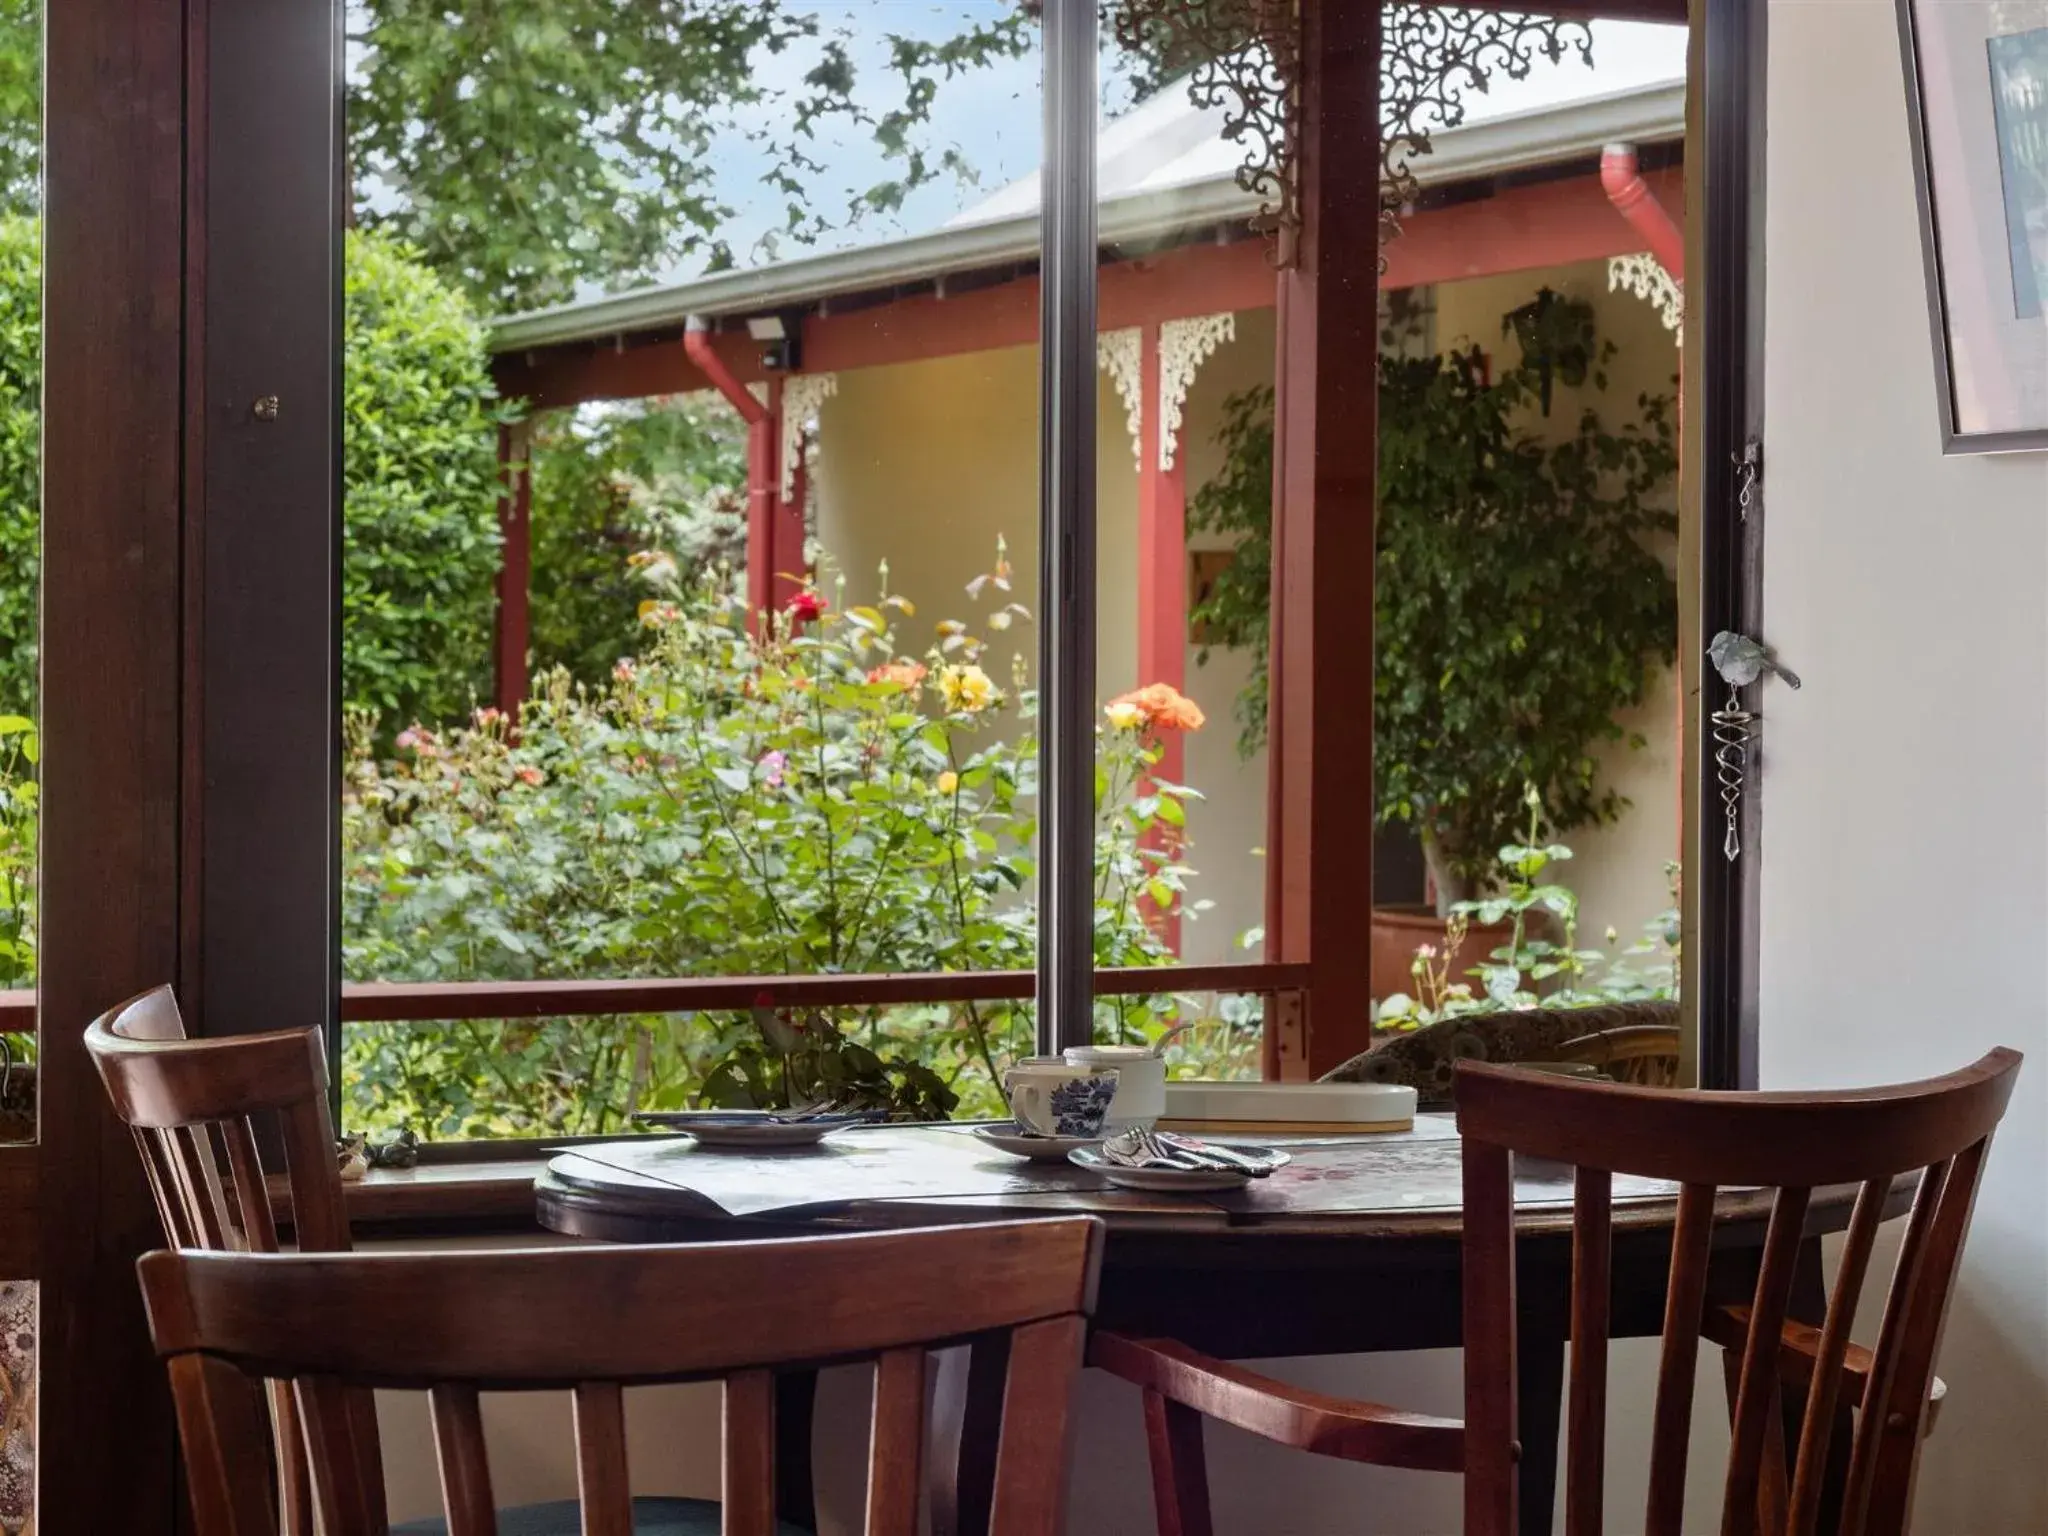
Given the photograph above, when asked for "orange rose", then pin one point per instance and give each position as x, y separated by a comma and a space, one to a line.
905, 674
1164, 707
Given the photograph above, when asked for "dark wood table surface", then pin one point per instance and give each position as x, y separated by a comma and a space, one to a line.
1353, 1249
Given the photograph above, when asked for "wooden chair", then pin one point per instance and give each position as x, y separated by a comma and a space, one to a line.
1644, 1054
199, 1110
1789, 1143
595, 1320
1427, 1058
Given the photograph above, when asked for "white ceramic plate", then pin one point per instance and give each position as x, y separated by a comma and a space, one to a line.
1175, 1180
1008, 1136
748, 1130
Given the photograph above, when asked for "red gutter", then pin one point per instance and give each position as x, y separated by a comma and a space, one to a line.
1634, 201
760, 463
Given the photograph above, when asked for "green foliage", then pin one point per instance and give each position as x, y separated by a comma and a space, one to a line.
419, 470
802, 1060
526, 150
20, 804
609, 482
1518, 604
21, 421
812, 801
21, 107
1530, 969
421, 479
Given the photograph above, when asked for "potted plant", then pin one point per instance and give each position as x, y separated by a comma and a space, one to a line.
1519, 602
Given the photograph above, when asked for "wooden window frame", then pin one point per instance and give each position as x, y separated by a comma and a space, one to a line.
152, 868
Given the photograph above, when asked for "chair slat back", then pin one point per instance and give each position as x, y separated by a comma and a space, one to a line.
1791, 1145
199, 1110
1645, 1054
458, 1324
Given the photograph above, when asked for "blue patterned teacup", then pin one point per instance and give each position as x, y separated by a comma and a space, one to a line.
1052, 1098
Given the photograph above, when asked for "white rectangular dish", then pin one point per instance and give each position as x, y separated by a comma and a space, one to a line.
1323, 1107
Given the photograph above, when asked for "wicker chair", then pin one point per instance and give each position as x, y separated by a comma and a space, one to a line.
1631, 1042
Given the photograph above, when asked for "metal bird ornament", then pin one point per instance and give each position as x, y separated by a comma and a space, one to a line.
1741, 660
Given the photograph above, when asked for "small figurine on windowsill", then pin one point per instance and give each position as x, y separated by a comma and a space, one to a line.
358, 1154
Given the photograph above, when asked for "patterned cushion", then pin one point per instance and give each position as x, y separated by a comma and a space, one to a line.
17, 1408
651, 1517
1426, 1059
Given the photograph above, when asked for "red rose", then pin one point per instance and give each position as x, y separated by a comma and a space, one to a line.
806, 605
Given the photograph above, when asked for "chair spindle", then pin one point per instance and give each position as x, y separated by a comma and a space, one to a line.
1592, 1268
1684, 1305
896, 1443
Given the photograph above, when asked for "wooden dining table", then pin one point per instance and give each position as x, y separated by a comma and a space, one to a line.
1353, 1248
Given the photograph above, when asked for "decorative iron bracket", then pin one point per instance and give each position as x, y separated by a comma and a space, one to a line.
1430, 57
1245, 56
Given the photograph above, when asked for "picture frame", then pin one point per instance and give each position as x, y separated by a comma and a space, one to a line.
1977, 106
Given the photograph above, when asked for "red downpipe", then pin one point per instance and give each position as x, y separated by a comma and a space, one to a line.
1634, 201
760, 462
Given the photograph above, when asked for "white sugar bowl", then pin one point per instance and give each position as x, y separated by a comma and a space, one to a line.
1140, 1081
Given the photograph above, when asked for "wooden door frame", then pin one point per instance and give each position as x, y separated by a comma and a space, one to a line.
111, 611
172, 844
1721, 564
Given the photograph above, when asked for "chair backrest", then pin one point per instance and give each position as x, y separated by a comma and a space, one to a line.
595, 1320
1425, 1059
199, 1110
1789, 1143
1647, 1055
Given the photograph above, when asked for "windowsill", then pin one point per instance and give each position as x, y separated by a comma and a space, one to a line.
435, 1196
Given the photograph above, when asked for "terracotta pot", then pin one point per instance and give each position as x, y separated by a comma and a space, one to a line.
18, 1106
1398, 931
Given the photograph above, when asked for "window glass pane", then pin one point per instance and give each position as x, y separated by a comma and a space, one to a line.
709, 334
20, 556
1185, 350
1527, 738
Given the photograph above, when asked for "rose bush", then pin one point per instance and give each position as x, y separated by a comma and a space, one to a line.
814, 798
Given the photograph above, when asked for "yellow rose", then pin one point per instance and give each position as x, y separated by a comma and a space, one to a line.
1124, 715
967, 689
948, 782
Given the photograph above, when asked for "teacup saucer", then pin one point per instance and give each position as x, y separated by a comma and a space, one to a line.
1008, 1136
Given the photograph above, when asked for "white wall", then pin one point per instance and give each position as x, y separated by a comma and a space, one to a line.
1905, 857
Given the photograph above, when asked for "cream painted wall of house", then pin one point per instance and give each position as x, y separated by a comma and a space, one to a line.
1905, 810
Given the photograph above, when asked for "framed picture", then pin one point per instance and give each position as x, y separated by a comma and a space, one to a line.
1977, 100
